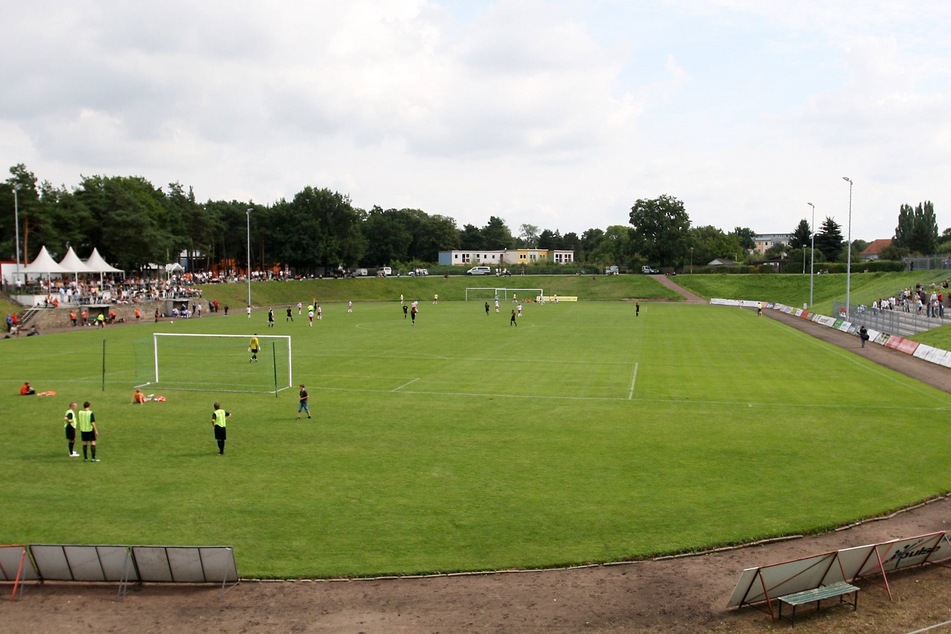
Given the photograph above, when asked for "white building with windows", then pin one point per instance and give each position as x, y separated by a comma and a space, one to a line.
505, 257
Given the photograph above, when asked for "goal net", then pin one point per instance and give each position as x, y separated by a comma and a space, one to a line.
219, 363
504, 294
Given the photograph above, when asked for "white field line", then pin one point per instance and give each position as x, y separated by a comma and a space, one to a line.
630, 393
397, 389
931, 627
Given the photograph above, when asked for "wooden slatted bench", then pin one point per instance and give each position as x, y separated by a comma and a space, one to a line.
816, 595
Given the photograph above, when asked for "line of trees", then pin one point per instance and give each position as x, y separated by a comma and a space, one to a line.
134, 224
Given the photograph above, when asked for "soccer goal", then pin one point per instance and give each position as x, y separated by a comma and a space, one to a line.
504, 294
222, 363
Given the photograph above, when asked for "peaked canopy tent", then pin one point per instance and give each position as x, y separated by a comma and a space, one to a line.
76, 266
97, 264
44, 264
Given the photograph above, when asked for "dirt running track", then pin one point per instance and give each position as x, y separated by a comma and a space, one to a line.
675, 595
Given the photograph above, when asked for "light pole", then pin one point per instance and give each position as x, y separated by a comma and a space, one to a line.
848, 259
691, 259
812, 255
16, 220
249, 262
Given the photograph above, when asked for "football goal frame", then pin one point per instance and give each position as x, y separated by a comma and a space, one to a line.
277, 385
504, 294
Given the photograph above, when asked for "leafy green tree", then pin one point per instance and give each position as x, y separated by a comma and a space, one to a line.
590, 240
388, 240
549, 239
496, 234
709, 243
471, 238
829, 240
128, 220
529, 233
317, 229
747, 238
28, 209
438, 233
661, 227
615, 248
917, 228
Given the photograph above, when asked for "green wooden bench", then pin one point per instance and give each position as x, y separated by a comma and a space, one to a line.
816, 595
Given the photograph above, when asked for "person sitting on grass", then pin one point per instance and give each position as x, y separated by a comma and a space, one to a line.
26, 390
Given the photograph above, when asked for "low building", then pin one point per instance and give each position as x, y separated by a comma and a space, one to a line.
504, 257
874, 250
766, 241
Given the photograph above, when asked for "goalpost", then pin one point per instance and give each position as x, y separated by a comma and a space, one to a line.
504, 294
183, 361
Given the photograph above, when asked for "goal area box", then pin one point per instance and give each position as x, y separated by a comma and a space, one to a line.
223, 363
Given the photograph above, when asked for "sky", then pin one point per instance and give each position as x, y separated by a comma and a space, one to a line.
554, 113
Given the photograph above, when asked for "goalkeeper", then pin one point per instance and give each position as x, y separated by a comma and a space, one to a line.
254, 347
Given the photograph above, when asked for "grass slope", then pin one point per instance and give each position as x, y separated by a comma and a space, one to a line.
463, 443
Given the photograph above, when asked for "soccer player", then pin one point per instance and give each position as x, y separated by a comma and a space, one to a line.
405, 310
219, 420
412, 313
290, 315
88, 432
254, 346
302, 406
350, 306
249, 311
310, 316
487, 309
270, 317
299, 306
70, 426
512, 321
138, 396
436, 298
320, 313
520, 309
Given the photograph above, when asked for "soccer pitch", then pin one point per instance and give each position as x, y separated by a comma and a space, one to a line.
583, 434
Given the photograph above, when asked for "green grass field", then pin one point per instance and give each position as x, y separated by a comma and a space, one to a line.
584, 434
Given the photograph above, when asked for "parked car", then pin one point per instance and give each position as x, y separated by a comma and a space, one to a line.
612, 270
418, 273
360, 273
384, 271
480, 270
649, 270
503, 272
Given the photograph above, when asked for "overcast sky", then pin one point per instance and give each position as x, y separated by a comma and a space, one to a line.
559, 114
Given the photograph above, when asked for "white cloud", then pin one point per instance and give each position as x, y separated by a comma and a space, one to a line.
555, 113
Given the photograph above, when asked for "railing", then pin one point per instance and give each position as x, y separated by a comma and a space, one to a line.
893, 321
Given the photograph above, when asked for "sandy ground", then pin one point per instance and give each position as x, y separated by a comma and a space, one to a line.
687, 594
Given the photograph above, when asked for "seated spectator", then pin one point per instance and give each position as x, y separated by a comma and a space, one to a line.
33, 332
26, 390
138, 396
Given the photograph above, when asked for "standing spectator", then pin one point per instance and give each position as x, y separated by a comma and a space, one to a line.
219, 420
89, 433
303, 406
70, 426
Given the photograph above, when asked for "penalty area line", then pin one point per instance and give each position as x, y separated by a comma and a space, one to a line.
397, 389
630, 393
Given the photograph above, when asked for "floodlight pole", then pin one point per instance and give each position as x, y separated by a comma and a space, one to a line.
16, 220
249, 261
848, 259
812, 255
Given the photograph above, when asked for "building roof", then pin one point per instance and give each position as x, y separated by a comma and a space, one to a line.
875, 246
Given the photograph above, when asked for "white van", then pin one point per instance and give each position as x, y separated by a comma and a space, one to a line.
384, 271
480, 270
